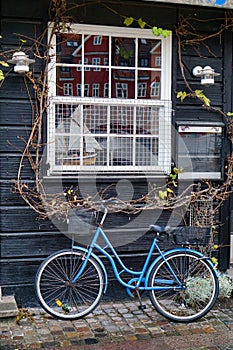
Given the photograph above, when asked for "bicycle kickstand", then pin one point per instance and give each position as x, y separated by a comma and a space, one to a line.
141, 305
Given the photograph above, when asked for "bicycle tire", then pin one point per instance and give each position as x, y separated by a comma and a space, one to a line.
200, 284
61, 298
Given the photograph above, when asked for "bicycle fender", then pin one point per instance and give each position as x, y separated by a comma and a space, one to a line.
100, 263
175, 250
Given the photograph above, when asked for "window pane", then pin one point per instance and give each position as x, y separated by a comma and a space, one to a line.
200, 151
146, 151
123, 52
149, 53
106, 136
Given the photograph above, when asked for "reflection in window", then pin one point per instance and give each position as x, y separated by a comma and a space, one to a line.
106, 90
144, 62
95, 135
72, 43
142, 89
68, 89
85, 62
121, 90
158, 61
96, 62
114, 119
200, 149
86, 90
97, 40
65, 69
155, 89
95, 90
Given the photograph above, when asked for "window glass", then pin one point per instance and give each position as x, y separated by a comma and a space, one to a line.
200, 149
106, 109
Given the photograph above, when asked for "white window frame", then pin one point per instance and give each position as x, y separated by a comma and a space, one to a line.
164, 153
95, 90
158, 61
96, 62
68, 89
97, 40
106, 89
155, 89
142, 87
85, 60
86, 90
121, 90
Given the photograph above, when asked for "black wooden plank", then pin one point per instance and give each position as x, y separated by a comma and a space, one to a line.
25, 10
9, 168
24, 219
14, 87
14, 139
32, 244
15, 112
204, 19
8, 195
209, 49
20, 271
197, 113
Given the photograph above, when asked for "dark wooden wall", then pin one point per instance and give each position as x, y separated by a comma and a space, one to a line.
24, 239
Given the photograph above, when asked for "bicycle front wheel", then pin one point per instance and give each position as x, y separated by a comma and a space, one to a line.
61, 297
196, 296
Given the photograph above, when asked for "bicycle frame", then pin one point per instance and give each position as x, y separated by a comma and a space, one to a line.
140, 277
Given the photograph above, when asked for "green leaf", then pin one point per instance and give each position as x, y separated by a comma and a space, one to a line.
166, 33
170, 190
206, 101
141, 23
163, 194
23, 41
230, 114
128, 21
199, 93
181, 95
1, 75
4, 64
173, 176
202, 96
155, 31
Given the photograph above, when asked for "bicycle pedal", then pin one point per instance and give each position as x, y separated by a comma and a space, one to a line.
142, 307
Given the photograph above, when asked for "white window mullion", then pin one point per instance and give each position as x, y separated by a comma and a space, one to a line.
82, 68
134, 133
110, 68
166, 69
136, 69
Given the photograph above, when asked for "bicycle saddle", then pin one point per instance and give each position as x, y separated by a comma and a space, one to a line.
159, 229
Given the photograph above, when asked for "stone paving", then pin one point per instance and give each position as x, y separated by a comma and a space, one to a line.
120, 323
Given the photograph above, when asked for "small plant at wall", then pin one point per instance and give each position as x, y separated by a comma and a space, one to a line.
198, 289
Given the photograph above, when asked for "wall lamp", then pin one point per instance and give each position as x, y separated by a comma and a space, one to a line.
21, 62
206, 74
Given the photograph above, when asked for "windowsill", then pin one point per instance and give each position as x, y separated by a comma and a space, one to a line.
201, 175
88, 175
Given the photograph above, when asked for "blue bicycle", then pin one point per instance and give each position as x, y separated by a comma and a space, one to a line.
182, 283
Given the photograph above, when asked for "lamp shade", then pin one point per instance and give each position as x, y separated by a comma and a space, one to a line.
21, 62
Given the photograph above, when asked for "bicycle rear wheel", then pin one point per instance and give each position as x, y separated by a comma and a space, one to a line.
199, 289
56, 292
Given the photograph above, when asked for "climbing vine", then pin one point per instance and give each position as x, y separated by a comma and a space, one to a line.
48, 205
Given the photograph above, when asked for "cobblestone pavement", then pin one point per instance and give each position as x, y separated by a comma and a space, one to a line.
118, 325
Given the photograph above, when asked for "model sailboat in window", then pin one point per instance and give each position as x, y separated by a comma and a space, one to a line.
82, 147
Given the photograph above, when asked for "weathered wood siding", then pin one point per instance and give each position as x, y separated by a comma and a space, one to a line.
24, 239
